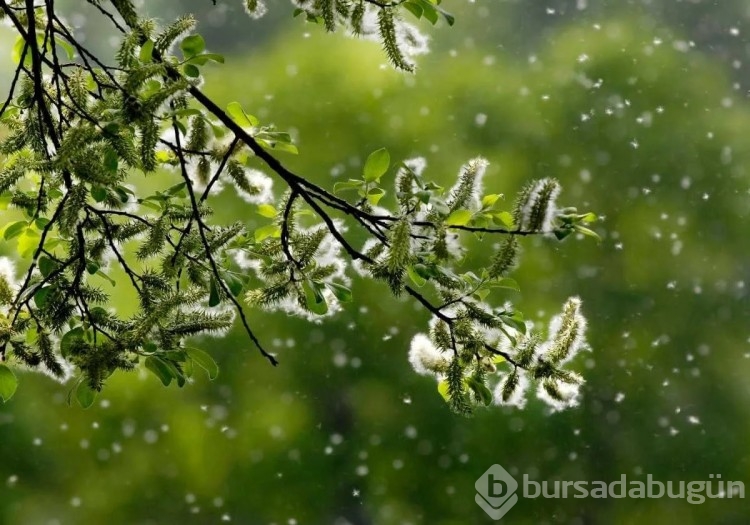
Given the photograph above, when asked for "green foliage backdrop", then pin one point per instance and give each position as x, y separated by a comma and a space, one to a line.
654, 136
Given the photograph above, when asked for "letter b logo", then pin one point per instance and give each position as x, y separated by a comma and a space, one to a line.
496, 492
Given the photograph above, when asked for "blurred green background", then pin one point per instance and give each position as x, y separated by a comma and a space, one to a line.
639, 108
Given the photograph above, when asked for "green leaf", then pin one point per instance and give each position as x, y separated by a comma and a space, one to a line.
480, 390
560, 234
233, 282
374, 195
46, 265
443, 388
69, 339
18, 51
160, 369
351, 184
177, 189
459, 218
191, 70
429, 11
414, 8
488, 201
270, 230
235, 111
99, 193
106, 277
267, 210
203, 360
514, 321
147, 50
67, 47
587, 232
40, 297
278, 146
376, 165
111, 160
415, 277
28, 243
214, 298
504, 218
275, 136
314, 299
192, 45
448, 17
8, 383
506, 282
341, 292
588, 217
14, 230
204, 58
85, 395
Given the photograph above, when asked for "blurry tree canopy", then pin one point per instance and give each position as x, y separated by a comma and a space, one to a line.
627, 104
109, 169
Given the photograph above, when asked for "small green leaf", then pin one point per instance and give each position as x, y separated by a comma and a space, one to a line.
504, 218
587, 232
480, 390
203, 58
278, 146
448, 17
267, 210
192, 45
275, 136
415, 277
69, 50
515, 321
429, 11
506, 282
160, 369
28, 243
351, 184
18, 51
488, 201
99, 193
147, 50
46, 265
214, 298
234, 110
588, 217
233, 282
14, 229
203, 360
177, 189
106, 277
443, 389
8, 383
374, 195
314, 299
269, 230
85, 395
341, 292
191, 71
414, 8
70, 339
40, 297
111, 160
459, 218
376, 165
